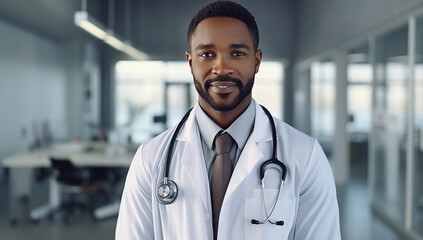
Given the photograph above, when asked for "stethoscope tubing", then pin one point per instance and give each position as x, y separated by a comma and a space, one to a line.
168, 196
172, 143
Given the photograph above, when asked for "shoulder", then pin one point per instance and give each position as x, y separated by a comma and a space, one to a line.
151, 153
290, 135
160, 141
299, 150
286, 134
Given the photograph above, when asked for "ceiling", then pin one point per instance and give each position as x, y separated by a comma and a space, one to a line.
156, 27
51, 18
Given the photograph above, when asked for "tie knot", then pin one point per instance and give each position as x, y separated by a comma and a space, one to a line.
224, 143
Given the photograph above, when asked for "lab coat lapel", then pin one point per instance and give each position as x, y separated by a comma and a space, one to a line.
192, 159
247, 161
252, 152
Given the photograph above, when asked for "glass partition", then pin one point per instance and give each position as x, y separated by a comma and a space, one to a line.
418, 130
302, 101
360, 76
323, 104
359, 107
390, 123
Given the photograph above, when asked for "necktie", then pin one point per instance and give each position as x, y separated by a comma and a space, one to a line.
222, 171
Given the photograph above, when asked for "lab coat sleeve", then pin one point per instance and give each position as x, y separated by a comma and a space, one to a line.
135, 219
318, 213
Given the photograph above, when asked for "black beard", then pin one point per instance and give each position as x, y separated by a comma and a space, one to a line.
244, 91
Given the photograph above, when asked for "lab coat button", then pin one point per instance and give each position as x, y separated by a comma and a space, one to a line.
206, 217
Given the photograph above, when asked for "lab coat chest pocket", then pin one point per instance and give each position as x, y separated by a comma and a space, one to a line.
254, 209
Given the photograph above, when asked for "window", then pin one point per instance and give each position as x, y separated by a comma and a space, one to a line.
144, 89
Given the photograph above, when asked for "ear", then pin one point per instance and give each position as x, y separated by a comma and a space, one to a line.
259, 55
188, 56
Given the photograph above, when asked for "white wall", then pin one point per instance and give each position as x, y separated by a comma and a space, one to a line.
74, 88
82, 74
42, 81
32, 88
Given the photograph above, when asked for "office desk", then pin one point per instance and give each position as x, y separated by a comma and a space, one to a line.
82, 154
85, 154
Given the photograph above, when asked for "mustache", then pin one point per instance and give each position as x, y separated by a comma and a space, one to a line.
223, 78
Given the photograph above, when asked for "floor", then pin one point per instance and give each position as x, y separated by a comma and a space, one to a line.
357, 221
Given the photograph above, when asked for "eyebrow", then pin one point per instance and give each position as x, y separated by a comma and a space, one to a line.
204, 46
240, 45
233, 45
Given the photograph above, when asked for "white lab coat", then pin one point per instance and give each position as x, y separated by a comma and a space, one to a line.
307, 203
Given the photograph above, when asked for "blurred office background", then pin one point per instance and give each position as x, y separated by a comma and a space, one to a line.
349, 73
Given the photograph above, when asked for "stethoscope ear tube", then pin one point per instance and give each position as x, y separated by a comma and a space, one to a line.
172, 143
273, 126
168, 190
263, 167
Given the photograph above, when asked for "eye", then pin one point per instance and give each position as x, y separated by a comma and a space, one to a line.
206, 54
238, 53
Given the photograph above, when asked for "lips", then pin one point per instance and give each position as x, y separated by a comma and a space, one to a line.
222, 87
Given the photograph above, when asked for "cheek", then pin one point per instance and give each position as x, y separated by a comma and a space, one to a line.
196, 74
249, 69
199, 71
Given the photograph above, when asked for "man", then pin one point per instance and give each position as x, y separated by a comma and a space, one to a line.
219, 193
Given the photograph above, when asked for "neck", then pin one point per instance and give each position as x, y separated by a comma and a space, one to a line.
224, 119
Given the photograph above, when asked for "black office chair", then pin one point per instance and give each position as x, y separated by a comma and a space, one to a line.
77, 187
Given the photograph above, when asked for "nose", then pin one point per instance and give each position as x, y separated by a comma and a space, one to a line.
222, 66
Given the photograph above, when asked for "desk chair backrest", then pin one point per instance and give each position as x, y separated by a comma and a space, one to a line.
65, 172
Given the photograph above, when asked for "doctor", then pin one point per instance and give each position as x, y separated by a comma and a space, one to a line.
224, 58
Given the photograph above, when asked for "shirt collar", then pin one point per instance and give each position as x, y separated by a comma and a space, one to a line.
241, 129
209, 129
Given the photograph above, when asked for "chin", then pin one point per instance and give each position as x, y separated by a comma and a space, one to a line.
227, 105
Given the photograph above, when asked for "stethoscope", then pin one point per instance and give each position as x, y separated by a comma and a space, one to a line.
168, 190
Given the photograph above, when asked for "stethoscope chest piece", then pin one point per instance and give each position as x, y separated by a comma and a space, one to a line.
167, 192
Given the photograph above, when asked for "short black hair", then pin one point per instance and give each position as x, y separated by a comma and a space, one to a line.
225, 9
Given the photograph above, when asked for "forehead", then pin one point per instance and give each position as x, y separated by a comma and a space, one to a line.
221, 30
